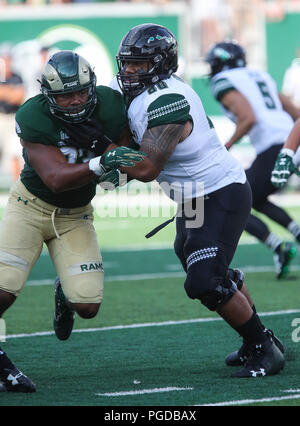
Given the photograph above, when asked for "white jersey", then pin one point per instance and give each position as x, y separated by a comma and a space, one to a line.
200, 164
273, 124
291, 82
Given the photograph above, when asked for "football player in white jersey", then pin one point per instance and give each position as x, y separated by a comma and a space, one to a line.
250, 99
184, 154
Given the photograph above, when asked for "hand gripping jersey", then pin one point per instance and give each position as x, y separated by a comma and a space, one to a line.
272, 124
35, 123
200, 164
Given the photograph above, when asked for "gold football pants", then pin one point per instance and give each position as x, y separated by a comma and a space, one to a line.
69, 234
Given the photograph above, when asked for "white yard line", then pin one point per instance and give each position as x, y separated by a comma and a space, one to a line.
143, 391
150, 324
157, 275
250, 401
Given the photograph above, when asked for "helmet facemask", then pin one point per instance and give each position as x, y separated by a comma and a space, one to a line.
135, 84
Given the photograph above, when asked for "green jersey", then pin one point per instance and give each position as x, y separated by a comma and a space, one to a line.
36, 124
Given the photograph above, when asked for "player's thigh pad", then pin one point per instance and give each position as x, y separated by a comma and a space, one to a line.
78, 262
21, 242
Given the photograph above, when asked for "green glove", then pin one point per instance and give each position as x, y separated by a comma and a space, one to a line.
121, 156
118, 157
284, 168
110, 180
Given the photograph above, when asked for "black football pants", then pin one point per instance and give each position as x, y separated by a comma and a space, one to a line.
259, 178
206, 252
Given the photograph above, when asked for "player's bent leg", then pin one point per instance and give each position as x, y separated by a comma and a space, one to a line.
207, 277
86, 310
78, 262
212, 285
12, 379
64, 316
208, 257
6, 300
240, 357
81, 294
265, 358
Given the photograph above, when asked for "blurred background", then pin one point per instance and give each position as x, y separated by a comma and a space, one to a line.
31, 30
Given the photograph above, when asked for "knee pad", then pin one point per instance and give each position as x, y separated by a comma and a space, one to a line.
218, 297
237, 276
207, 269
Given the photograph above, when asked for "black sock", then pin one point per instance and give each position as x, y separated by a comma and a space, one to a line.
252, 331
5, 362
255, 311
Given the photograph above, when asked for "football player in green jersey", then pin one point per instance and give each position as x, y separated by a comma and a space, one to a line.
70, 135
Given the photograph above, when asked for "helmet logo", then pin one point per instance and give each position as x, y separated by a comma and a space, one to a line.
71, 84
169, 39
221, 53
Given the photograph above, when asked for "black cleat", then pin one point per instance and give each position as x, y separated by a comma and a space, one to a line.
283, 259
275, 339
265, 359
63, 316
241, 356
13, 380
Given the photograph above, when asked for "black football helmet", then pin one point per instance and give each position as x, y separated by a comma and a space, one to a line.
67, 72
146, 42
225, 55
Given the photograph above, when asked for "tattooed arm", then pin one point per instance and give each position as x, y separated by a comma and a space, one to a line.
158, 143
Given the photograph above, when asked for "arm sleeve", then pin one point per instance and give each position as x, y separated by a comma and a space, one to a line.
220, 87
33, 127
167, 109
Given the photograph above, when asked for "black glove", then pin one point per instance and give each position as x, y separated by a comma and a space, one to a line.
88, 135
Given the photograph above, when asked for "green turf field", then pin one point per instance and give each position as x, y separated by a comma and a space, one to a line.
150, 345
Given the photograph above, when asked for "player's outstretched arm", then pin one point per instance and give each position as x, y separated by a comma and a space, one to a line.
59, 175
235, 102
158, 143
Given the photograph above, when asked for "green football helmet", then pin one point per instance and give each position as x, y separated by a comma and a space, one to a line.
67, 72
